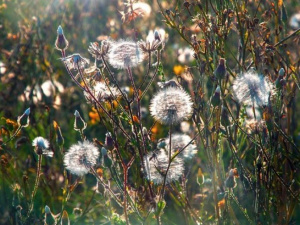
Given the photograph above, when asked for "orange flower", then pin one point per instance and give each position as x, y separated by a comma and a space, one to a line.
178, 69
100, 172
94, 116
135, 119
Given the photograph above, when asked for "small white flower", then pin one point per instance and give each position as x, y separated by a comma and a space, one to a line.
156, 165
251, 89
81, 157
171, 105
125, 54
42, 146
178, 142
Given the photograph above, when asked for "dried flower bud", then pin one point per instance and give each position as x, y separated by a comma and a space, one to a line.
220, 72
79, 123
109, 143
280, 78
23, 121
61, 42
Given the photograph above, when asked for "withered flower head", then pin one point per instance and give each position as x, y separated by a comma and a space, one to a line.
75, 61
102, 92
97, 51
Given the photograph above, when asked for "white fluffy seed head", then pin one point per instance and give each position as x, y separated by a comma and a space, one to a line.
178, 142
251, 89
156, 165
171, 105
124, 54
81, 157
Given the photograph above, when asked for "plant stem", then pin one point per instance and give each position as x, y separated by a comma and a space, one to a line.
36, 184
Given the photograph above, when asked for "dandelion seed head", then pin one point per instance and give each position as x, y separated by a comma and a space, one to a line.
156, 165
81, 157
124, 54
251, 89
171, 105
178, 142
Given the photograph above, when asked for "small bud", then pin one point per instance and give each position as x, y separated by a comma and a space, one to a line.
79, 123
49, 217
59, 137
216, 100
220, 72
61, 42
23, 121
65, 218
281, 72
279, 79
